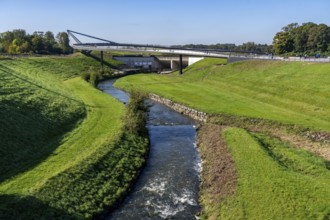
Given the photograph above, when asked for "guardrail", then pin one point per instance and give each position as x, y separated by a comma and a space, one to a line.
308, 59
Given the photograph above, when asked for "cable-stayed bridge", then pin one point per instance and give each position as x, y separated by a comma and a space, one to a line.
108, 45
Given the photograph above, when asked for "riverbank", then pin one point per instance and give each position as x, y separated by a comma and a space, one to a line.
271, 168
313, 141
220, 173
72, 157
159, 192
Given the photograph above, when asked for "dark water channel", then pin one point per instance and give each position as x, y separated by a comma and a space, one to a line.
169, 184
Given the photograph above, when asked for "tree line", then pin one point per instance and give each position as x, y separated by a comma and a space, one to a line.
19, 42
306, 39
293, 40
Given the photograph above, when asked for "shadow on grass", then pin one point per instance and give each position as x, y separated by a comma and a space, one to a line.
16, 208
25, 79
99, 60
27, 138
32, 125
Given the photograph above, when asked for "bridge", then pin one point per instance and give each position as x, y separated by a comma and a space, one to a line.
157, 49
141, 48
107, 45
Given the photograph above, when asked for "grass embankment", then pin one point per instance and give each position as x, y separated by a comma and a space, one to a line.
289, 93
64, 152
268, 179
275, 181
258, 172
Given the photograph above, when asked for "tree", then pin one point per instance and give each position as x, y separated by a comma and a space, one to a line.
18, 41
323, 38
312, 38
300, 40
249, 46
37, 43
6, 39
13, 47
49, 41
282, 43
20, 36
26, 47
309, 38
290, 27
63, 41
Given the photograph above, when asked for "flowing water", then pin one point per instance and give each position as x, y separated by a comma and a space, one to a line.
169, 184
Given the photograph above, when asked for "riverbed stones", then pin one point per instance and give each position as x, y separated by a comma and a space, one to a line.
193, 113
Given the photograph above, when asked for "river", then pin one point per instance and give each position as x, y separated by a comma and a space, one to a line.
168, 186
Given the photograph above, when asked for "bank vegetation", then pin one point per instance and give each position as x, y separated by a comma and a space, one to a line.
66, 152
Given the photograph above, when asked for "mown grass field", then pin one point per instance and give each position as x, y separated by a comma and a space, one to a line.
275, 180
63, 150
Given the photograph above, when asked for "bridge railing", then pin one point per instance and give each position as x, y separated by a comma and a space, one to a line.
110, 45
146, 48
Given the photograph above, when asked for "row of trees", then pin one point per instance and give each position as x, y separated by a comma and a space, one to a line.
308, 38
294, 39
19, 42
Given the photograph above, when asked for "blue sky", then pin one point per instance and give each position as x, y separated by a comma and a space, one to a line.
165, 22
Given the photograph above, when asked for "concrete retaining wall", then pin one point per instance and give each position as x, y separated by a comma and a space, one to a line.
193, 113
141, 62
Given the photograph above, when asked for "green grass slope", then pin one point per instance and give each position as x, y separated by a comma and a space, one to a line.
63, 150
289, 93
275, 181
34, 116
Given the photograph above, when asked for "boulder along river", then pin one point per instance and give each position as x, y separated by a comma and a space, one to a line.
168, 186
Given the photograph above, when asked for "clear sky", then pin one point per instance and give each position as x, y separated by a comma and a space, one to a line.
165, 22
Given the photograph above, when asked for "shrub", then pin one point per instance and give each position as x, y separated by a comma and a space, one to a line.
135, 117
93, 75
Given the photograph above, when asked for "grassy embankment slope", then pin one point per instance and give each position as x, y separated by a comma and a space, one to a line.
291, 93
274, 180
63, 150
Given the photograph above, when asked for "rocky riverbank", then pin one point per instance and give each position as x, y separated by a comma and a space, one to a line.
193, 113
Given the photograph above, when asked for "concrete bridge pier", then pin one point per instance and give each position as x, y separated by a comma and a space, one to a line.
102, 60
181, 64
174, 65
177, 65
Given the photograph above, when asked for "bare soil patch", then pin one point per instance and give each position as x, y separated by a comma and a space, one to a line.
317, 142
219, 177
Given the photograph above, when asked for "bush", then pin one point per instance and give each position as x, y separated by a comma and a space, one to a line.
97, 184
93, 75
135, 118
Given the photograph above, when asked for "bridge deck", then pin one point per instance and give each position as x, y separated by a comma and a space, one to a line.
233, 56
148, 49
